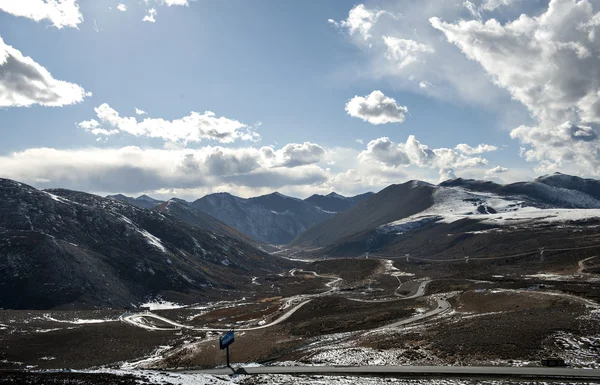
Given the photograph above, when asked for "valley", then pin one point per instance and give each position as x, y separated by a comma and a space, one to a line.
443, 284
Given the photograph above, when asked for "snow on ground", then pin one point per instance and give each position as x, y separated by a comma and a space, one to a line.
151, 239
453, 203
78, 321
170, 378
161, 305
579, 352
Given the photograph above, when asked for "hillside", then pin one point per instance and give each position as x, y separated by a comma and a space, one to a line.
69, 249
143, 201
336, 203
273, 219
185, 212
393, 202
453, 213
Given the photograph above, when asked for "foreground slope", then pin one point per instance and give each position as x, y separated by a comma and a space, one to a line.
61, 248
272, 219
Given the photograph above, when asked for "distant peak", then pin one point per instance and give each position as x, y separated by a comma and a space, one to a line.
335, 195
146, 198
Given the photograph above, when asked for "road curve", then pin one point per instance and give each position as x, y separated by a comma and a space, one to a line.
419, 293
135, 320
419, 371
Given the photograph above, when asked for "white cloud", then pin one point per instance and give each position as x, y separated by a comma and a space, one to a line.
425, 85
490, 5
122, 7
400, 51
360, 141
194, 127
376, 108
139, 112
61, 13
133, 169
23, 82
496, 170
175, 2
150, 16
405, 51
480, 149
360, 20
550, 63
386, 153
295, 154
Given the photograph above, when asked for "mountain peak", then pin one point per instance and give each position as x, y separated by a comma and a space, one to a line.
335, 195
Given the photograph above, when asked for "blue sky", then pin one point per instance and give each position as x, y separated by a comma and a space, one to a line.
306, 97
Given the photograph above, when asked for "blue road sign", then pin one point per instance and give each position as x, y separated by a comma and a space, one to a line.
226, 339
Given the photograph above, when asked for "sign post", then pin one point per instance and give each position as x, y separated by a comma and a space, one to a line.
224, 342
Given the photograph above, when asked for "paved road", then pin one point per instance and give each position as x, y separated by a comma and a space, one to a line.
137, 320
418, 371
419, 293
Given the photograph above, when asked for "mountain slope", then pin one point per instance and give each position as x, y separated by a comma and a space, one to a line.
393, 202
143, 201
62, 248
273, 219
185, 212
336, 203
466, 207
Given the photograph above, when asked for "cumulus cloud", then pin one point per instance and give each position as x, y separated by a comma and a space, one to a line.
139, 112
360, 20
550, 63
413, 153
194, 127
23, 82
149, 17
295, 154
405, 51
376, 108
480, 149
61, 13
122, 7
496, 170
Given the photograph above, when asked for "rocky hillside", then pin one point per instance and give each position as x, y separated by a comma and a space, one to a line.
184, 211
273, 219
414, 216
336, 203
67, 249
143, 201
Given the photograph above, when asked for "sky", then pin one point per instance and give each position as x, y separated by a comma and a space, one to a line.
189, 97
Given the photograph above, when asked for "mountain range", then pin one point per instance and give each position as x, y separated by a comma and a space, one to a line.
413, 216
274, 219
68, 249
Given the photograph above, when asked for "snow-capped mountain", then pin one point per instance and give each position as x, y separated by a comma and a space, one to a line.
412, 208
63, 248
143, 201
273, 218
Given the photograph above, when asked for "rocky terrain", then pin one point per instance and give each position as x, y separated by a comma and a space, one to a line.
273, 219
62, 248
460, 218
